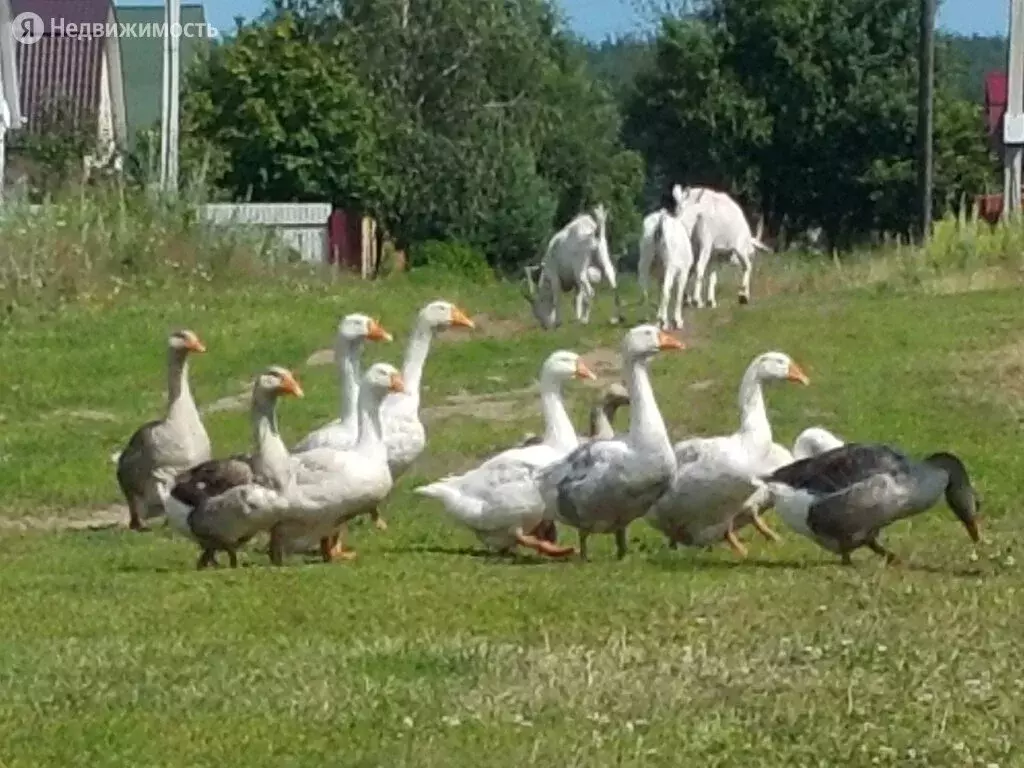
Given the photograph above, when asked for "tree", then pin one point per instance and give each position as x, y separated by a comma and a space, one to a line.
471, 121
804, 108
286, 119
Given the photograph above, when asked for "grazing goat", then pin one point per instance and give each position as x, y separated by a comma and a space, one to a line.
721, 233
576, 258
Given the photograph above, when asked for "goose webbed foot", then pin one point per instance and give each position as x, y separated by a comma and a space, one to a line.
763, 529
333, 548
891, 558
543, 546
207, 558
734, 543
379, 522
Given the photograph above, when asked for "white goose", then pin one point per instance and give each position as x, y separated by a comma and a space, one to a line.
814, 441
711, 495
603, 485
499, 500
222, 503
331, 486
353, 331
404, 433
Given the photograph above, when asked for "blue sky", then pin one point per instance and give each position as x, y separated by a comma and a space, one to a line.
598, 18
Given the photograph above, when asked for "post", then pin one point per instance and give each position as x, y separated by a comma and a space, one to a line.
165, 99
169, 120
925, 100
175, 92
1013, 120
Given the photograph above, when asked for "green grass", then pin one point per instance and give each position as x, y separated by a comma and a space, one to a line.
114, 651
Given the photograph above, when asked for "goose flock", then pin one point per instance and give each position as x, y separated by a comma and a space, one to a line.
697, 493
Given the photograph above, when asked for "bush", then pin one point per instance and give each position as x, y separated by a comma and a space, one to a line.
452, 258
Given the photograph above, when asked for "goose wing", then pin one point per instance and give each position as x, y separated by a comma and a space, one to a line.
861, 508
582, 478
212, 478
841, 468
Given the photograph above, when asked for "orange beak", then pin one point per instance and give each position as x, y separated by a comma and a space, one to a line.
290, 386
796, 374
377, 332
397, 384
460, 318
669, 342
582, 372
194, 344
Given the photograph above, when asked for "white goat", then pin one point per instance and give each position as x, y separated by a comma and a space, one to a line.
576, 259
665, 249
721, 233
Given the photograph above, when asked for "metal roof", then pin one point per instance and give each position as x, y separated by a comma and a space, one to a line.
69, 69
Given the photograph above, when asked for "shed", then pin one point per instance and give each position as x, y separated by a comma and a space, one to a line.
82, 74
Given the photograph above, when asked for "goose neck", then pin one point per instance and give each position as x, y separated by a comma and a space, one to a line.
416, 356
370, 441
179, 393
558, 428
349, 372
270, 451
753, 416
646, 426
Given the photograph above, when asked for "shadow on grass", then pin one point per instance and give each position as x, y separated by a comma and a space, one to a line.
485, 555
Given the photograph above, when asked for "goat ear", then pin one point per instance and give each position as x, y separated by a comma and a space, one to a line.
531, 289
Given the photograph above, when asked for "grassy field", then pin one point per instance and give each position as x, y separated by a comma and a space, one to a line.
114, 651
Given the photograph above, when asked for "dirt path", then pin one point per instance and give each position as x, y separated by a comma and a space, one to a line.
114, 516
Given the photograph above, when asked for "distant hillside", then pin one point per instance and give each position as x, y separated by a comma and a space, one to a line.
616, 62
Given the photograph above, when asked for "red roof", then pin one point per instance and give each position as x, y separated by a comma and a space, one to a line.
995, 102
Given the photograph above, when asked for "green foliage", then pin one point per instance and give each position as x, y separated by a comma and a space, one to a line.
467, 120
87, 247
972, 58
617, 63
288, 119
51, 156
452, 258
806, 109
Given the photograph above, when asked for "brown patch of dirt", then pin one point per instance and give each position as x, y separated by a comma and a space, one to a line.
237, 402
605, 362
488, 327
497, 406
114, 516
321, 357
703, 385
